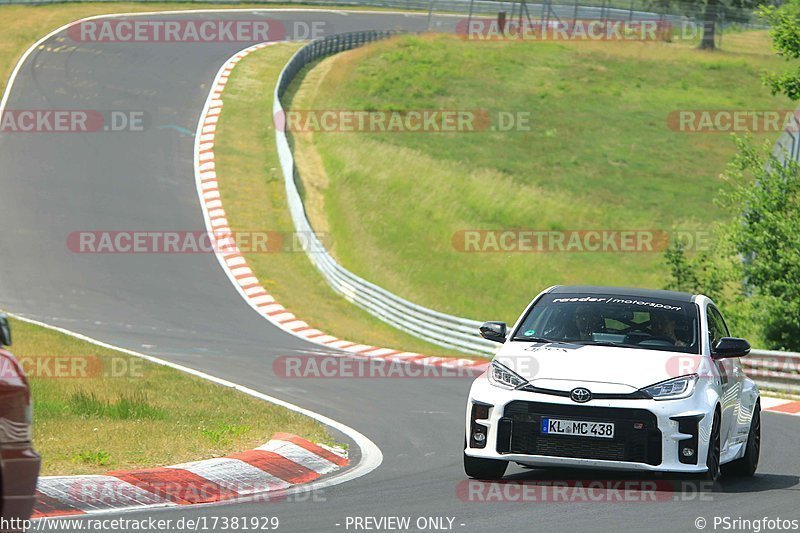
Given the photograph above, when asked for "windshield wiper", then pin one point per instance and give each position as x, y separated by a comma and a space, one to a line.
539, 339
605, 343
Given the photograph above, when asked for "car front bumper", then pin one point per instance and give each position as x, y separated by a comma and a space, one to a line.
648, 434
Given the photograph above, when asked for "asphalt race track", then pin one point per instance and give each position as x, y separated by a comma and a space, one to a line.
182, 307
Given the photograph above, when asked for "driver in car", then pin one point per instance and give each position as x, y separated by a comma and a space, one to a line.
587, 322
663, 325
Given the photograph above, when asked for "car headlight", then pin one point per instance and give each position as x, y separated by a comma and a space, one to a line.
672, 389
501, 376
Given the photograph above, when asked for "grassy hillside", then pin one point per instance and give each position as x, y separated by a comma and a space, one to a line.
599, 156
254, 197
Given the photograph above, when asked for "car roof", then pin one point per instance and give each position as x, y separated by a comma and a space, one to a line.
623, 291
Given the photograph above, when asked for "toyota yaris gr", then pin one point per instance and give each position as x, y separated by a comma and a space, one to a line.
615, 378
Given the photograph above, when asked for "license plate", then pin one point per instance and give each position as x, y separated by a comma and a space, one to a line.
581, 428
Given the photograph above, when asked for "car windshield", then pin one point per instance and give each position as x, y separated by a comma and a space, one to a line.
613, 320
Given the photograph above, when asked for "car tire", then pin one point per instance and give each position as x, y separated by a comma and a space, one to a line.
484, 469
746, 465
713, 458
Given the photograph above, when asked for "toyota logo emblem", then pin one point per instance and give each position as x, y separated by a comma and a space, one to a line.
580, 395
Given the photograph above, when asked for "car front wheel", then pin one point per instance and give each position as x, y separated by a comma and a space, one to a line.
747, 465
712, 461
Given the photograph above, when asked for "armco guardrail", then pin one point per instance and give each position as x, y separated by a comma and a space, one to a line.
788, 144
776, 371
439, 328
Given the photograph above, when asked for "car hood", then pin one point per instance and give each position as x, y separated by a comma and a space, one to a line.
601, 369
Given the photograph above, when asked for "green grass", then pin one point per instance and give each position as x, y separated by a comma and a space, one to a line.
599, 156
125, 406
254, 198
150, 415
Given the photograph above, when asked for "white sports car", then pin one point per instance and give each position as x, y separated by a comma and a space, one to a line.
615, 378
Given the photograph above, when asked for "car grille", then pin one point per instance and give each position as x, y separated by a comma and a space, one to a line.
637, 438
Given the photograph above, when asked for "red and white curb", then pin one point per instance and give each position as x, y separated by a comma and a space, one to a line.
235, 264
285, 461
780, 405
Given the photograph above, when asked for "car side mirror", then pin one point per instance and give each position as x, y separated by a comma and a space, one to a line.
730, 347
494, 331
5, 331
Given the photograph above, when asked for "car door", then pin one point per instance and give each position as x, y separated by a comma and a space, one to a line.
729, 376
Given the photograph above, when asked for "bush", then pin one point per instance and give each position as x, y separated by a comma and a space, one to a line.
753, 269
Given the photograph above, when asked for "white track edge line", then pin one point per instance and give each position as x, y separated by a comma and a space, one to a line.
206, 107
371, 455
311, 9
